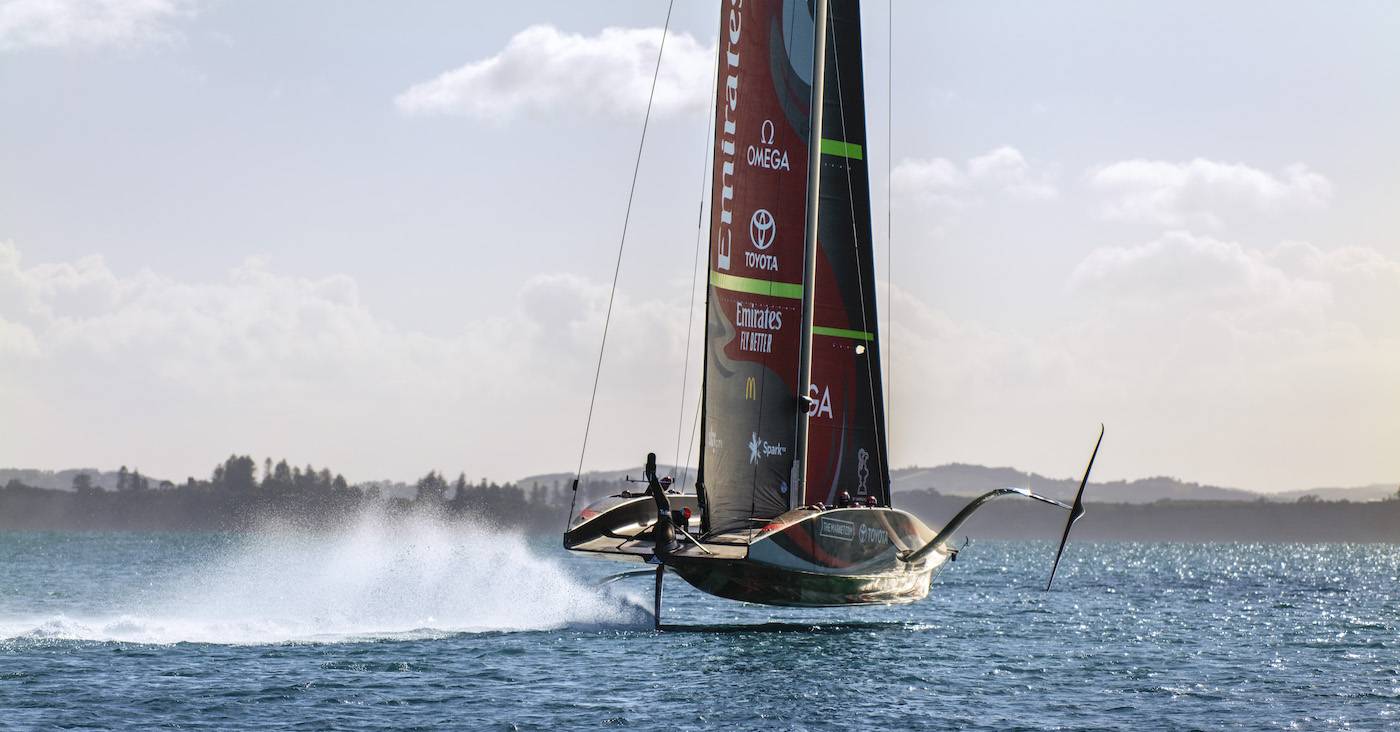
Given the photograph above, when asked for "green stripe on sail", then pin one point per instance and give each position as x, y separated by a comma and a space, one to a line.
843, 149
755, 287
857, 335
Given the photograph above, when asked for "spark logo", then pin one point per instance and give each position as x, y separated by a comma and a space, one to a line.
761, 448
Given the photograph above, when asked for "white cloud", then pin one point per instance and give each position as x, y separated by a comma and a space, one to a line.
1207, 358
174, 374
1183, 269
17, 340
936, 181
1244, 359
1288, 338
88, 23
1309, 286
543, 70
1202, 192
956, 362
1007, 169
942, 182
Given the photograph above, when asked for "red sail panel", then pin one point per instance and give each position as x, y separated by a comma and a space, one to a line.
757, 227
846, 441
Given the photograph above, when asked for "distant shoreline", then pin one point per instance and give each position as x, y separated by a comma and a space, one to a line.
542, 512
952, 478
1175, 521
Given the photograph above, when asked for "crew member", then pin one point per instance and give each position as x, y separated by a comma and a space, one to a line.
664, 533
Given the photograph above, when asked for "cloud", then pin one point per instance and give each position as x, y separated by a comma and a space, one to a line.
88, 23
1202, 192
284, 334
258, 360
1007, 169
936, 181
1292, 330
543, 70
17, 341
1181, 270
1206, 357
957, 360
1245, 359
942, 182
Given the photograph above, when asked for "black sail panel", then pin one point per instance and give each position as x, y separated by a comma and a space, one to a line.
757, 230
846, 448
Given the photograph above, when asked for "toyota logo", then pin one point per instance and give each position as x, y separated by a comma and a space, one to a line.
762, 229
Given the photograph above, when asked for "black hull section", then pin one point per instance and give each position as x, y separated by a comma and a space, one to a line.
809, 558
748, 581
804, 558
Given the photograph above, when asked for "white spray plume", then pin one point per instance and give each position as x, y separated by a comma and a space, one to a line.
378, 577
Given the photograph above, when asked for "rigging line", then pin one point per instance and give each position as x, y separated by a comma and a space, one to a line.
695, 272
617, 269
690, 449
889, 224
860, 276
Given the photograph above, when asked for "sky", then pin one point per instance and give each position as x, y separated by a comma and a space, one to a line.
380, 237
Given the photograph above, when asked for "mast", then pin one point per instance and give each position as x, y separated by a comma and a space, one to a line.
809, 255
845, 447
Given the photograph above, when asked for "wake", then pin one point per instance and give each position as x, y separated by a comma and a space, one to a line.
379, 578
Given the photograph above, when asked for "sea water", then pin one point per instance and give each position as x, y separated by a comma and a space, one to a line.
419, 624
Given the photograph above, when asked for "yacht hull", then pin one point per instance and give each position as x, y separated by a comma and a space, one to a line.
804, 558
749, 581
810, 558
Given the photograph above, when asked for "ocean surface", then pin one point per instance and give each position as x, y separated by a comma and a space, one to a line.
422, 625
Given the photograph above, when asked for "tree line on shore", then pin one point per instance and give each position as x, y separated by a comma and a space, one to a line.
239, 495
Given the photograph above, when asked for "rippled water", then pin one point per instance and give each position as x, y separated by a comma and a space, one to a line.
423, 626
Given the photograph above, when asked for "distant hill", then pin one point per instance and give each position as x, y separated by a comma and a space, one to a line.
961, 479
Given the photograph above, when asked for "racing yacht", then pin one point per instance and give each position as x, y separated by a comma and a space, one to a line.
792, 503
